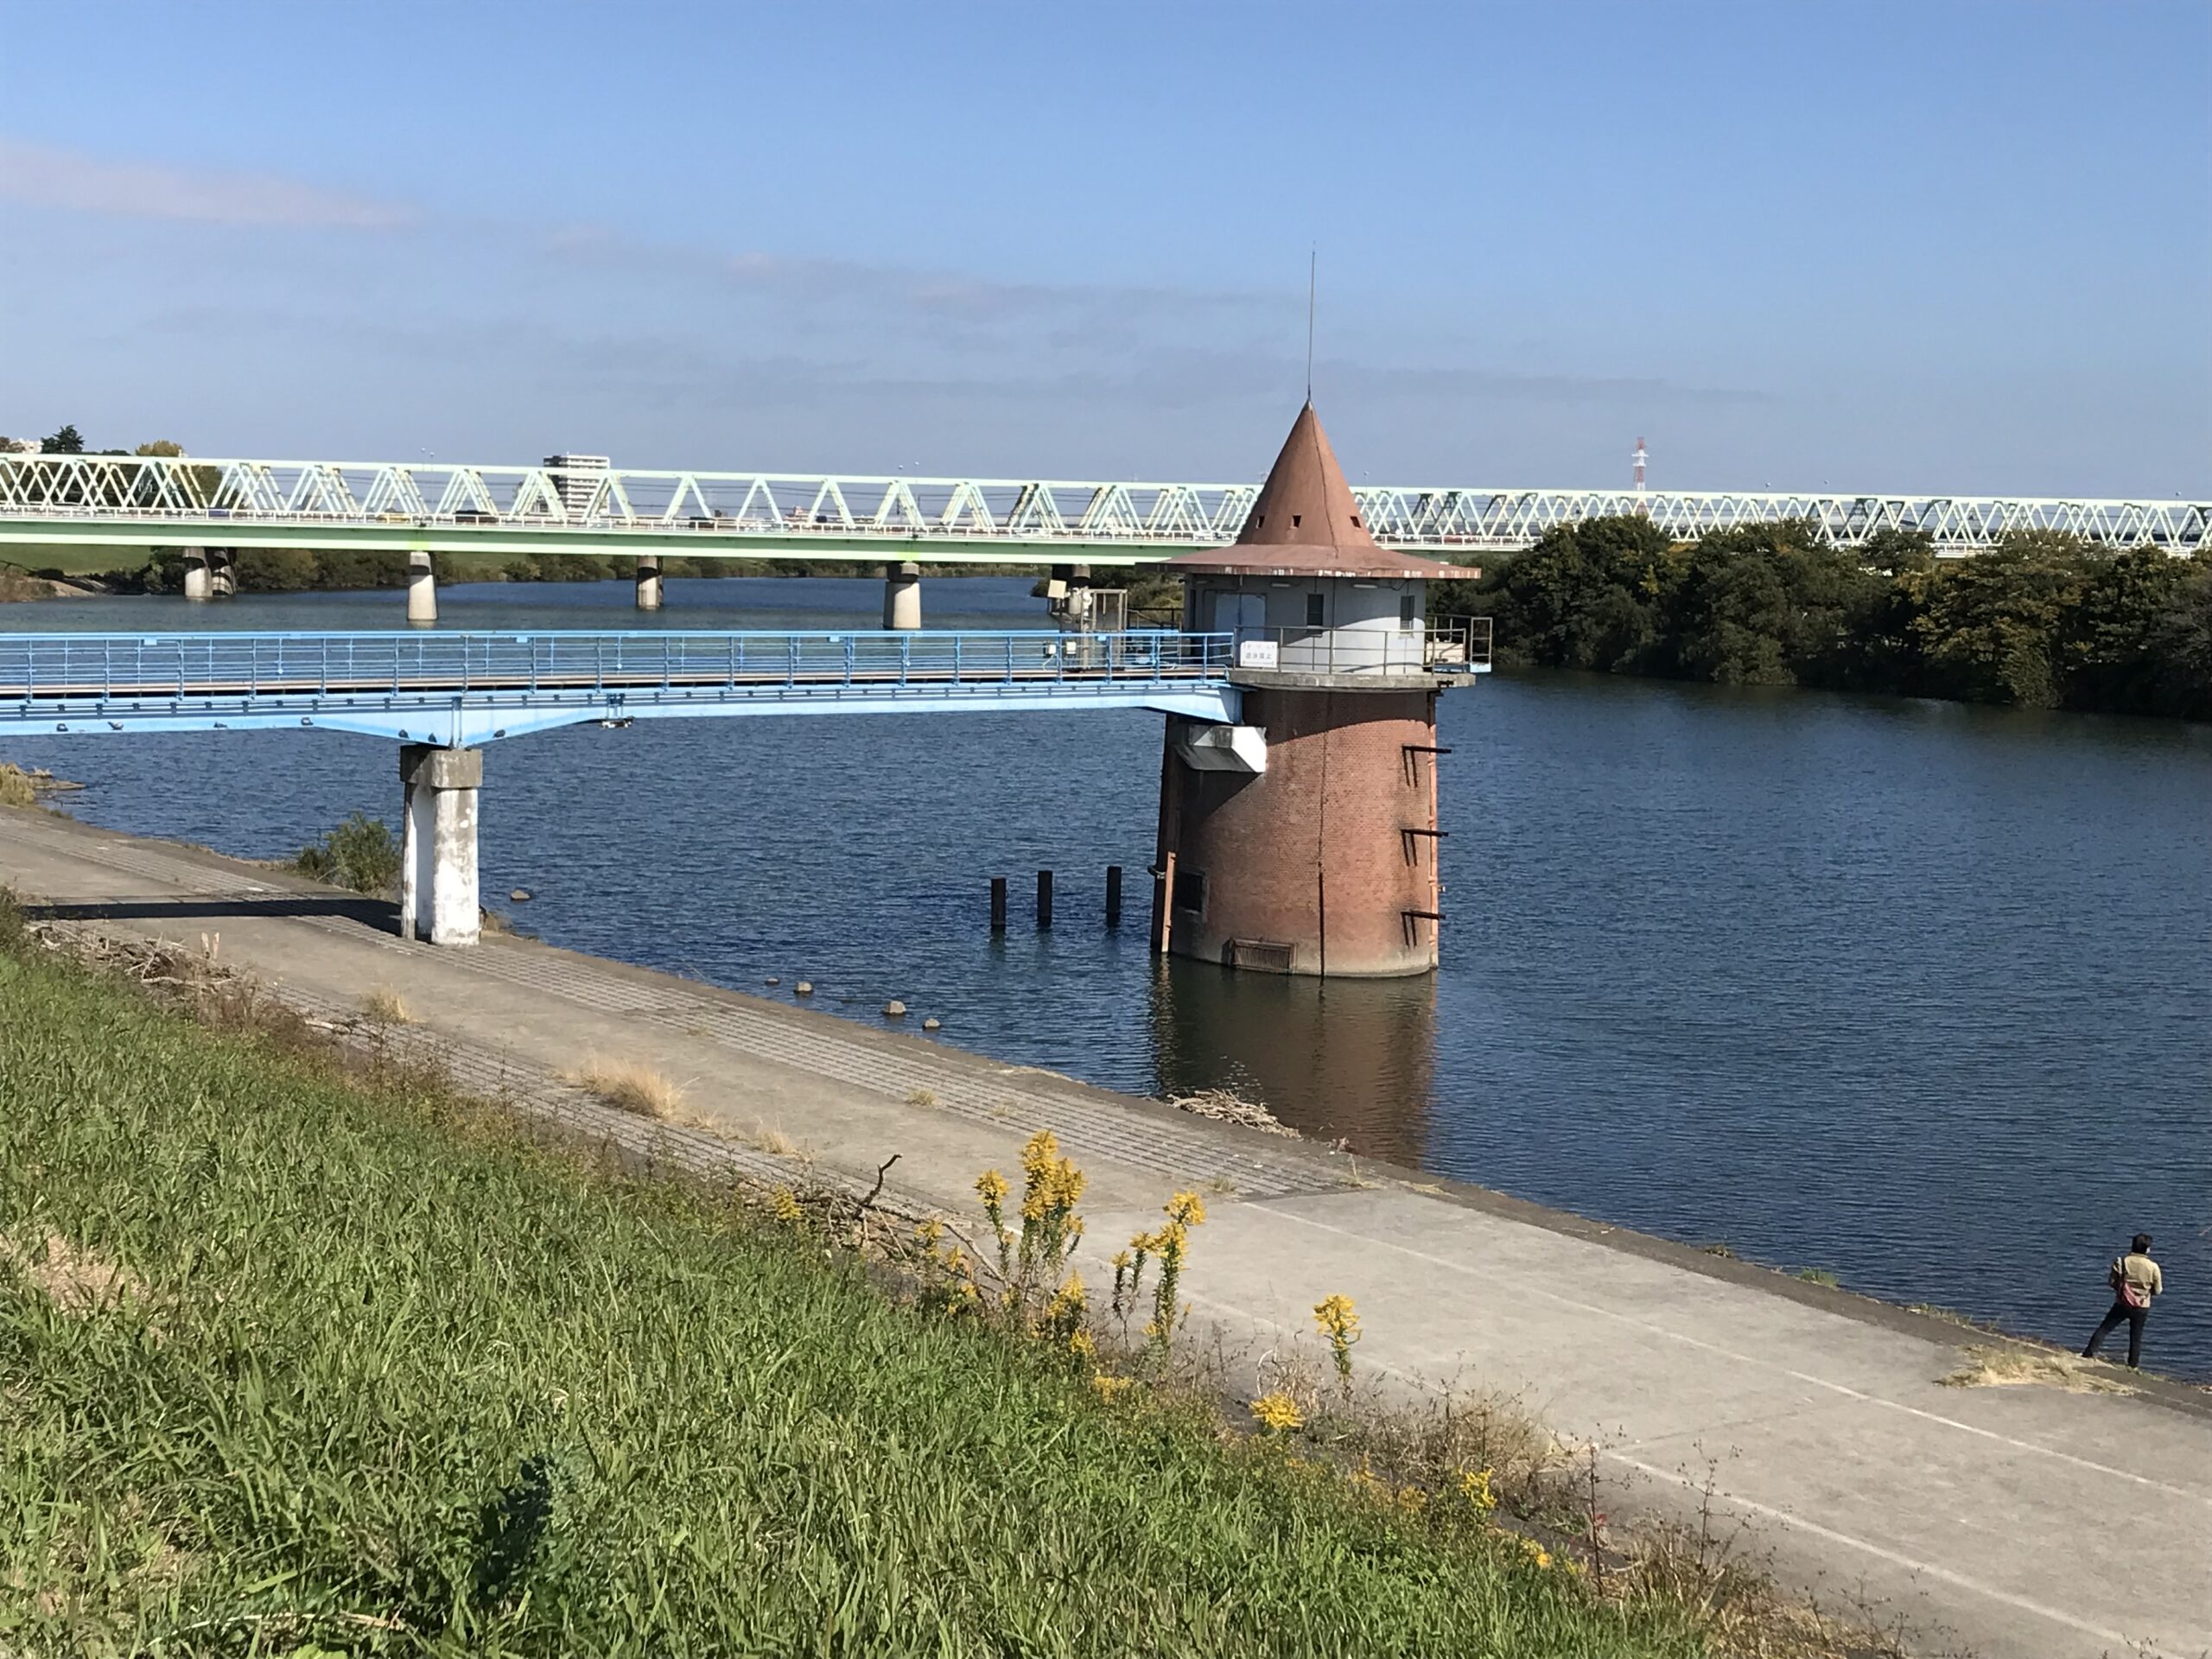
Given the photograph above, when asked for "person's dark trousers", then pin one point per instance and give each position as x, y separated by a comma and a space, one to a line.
2133, 1318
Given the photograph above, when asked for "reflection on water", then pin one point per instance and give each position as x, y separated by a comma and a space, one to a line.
1917, 994
1345, 1059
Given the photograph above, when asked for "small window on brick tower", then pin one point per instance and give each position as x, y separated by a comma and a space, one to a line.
1296, 520
1316, 609
1406, 612
1190, 891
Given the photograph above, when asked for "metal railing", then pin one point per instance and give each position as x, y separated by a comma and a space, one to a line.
44, 674
1453, 644
166, 500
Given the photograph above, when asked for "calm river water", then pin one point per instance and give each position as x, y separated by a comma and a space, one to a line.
1917, 994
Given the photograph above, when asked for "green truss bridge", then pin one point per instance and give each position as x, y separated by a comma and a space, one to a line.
425, 507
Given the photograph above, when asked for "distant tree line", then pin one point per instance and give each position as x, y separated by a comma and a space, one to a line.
2043, 620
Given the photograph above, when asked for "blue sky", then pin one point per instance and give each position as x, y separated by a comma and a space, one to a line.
1934, 247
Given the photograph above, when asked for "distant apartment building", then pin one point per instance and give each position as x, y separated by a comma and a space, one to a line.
21, 446
579, 482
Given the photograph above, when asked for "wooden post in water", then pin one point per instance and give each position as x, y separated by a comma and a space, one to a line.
998, 903
1044, 901
1113, 895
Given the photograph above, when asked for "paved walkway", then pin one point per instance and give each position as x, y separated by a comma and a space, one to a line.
2021, 1522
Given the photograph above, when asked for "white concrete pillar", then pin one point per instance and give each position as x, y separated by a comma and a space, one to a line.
902, 596
421, 589
198, 585
222, 572
438, 896
649, 598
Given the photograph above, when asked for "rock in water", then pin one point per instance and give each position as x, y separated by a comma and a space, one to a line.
932, 1024
894, 1009
805, 988
520, 895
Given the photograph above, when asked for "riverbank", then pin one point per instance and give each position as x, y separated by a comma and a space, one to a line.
1832, 1435
497, 1396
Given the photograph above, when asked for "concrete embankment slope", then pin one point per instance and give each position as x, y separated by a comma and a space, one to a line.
2022, 1522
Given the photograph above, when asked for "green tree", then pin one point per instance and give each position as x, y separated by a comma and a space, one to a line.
1991, 625
2109, 642
1588, 596
68, 441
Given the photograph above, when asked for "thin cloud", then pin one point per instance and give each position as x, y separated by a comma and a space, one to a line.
42, 176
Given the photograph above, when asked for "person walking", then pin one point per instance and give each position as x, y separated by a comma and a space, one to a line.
2135, 1280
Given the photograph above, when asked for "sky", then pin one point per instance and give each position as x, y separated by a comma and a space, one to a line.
1938, 246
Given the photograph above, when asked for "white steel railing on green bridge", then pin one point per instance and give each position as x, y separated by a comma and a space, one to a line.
160, 500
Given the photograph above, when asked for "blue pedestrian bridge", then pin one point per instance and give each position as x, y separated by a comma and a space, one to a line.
459, 689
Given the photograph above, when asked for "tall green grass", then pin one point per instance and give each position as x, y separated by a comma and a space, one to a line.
376, 1375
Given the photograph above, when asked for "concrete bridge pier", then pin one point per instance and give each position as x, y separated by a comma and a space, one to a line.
198, 582
649, 596
421, 589
222, 572
902, 596
437, 862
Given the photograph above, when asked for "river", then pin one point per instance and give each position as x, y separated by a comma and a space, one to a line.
1915, 993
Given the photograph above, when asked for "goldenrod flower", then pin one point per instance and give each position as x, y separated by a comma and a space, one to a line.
1186, 1210
1082, 1346
786, 1203
1110, 1388
1340, 1324
1536, 1553
991, 1187
1277, 1412
1475, 1487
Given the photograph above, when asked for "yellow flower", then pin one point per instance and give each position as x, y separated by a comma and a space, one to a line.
1110, 1388
991, 1187
930, 1230
1121, 1262
1474, 1486
1338, 1322
786, 1204
1186, 1210
1536, 1553
1277, 1411
1412, 1499
1081, 1345
1068, 1300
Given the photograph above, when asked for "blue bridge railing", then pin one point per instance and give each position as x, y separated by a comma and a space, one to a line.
464, 687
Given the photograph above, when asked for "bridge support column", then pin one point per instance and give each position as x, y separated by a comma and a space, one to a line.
421, 589
222, 572
437, 864
649, 598
199, 585
902, 596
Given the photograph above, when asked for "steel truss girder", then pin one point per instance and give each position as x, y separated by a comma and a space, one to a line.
152, 501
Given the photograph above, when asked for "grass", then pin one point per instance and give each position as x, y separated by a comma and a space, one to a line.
388, 1378
386, 1007
1998, 1368
631, 1085
360, 853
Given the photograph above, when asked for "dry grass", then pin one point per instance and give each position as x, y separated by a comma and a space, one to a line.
386, 1007
1224, 1106
2006, 1368
630, 1085
922, 1097
78, 1281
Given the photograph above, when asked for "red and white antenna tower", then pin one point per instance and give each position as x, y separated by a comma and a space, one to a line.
1641, 457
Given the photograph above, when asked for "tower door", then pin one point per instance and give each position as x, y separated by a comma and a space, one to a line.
1244, 615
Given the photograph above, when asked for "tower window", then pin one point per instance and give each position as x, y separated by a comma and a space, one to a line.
1189, 891
1316, 611
1406, 612
1296, 520
1354, 521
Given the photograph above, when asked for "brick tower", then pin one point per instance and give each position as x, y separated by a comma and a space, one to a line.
1303, 840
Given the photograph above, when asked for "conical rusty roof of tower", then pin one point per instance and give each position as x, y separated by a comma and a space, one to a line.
1307, 523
